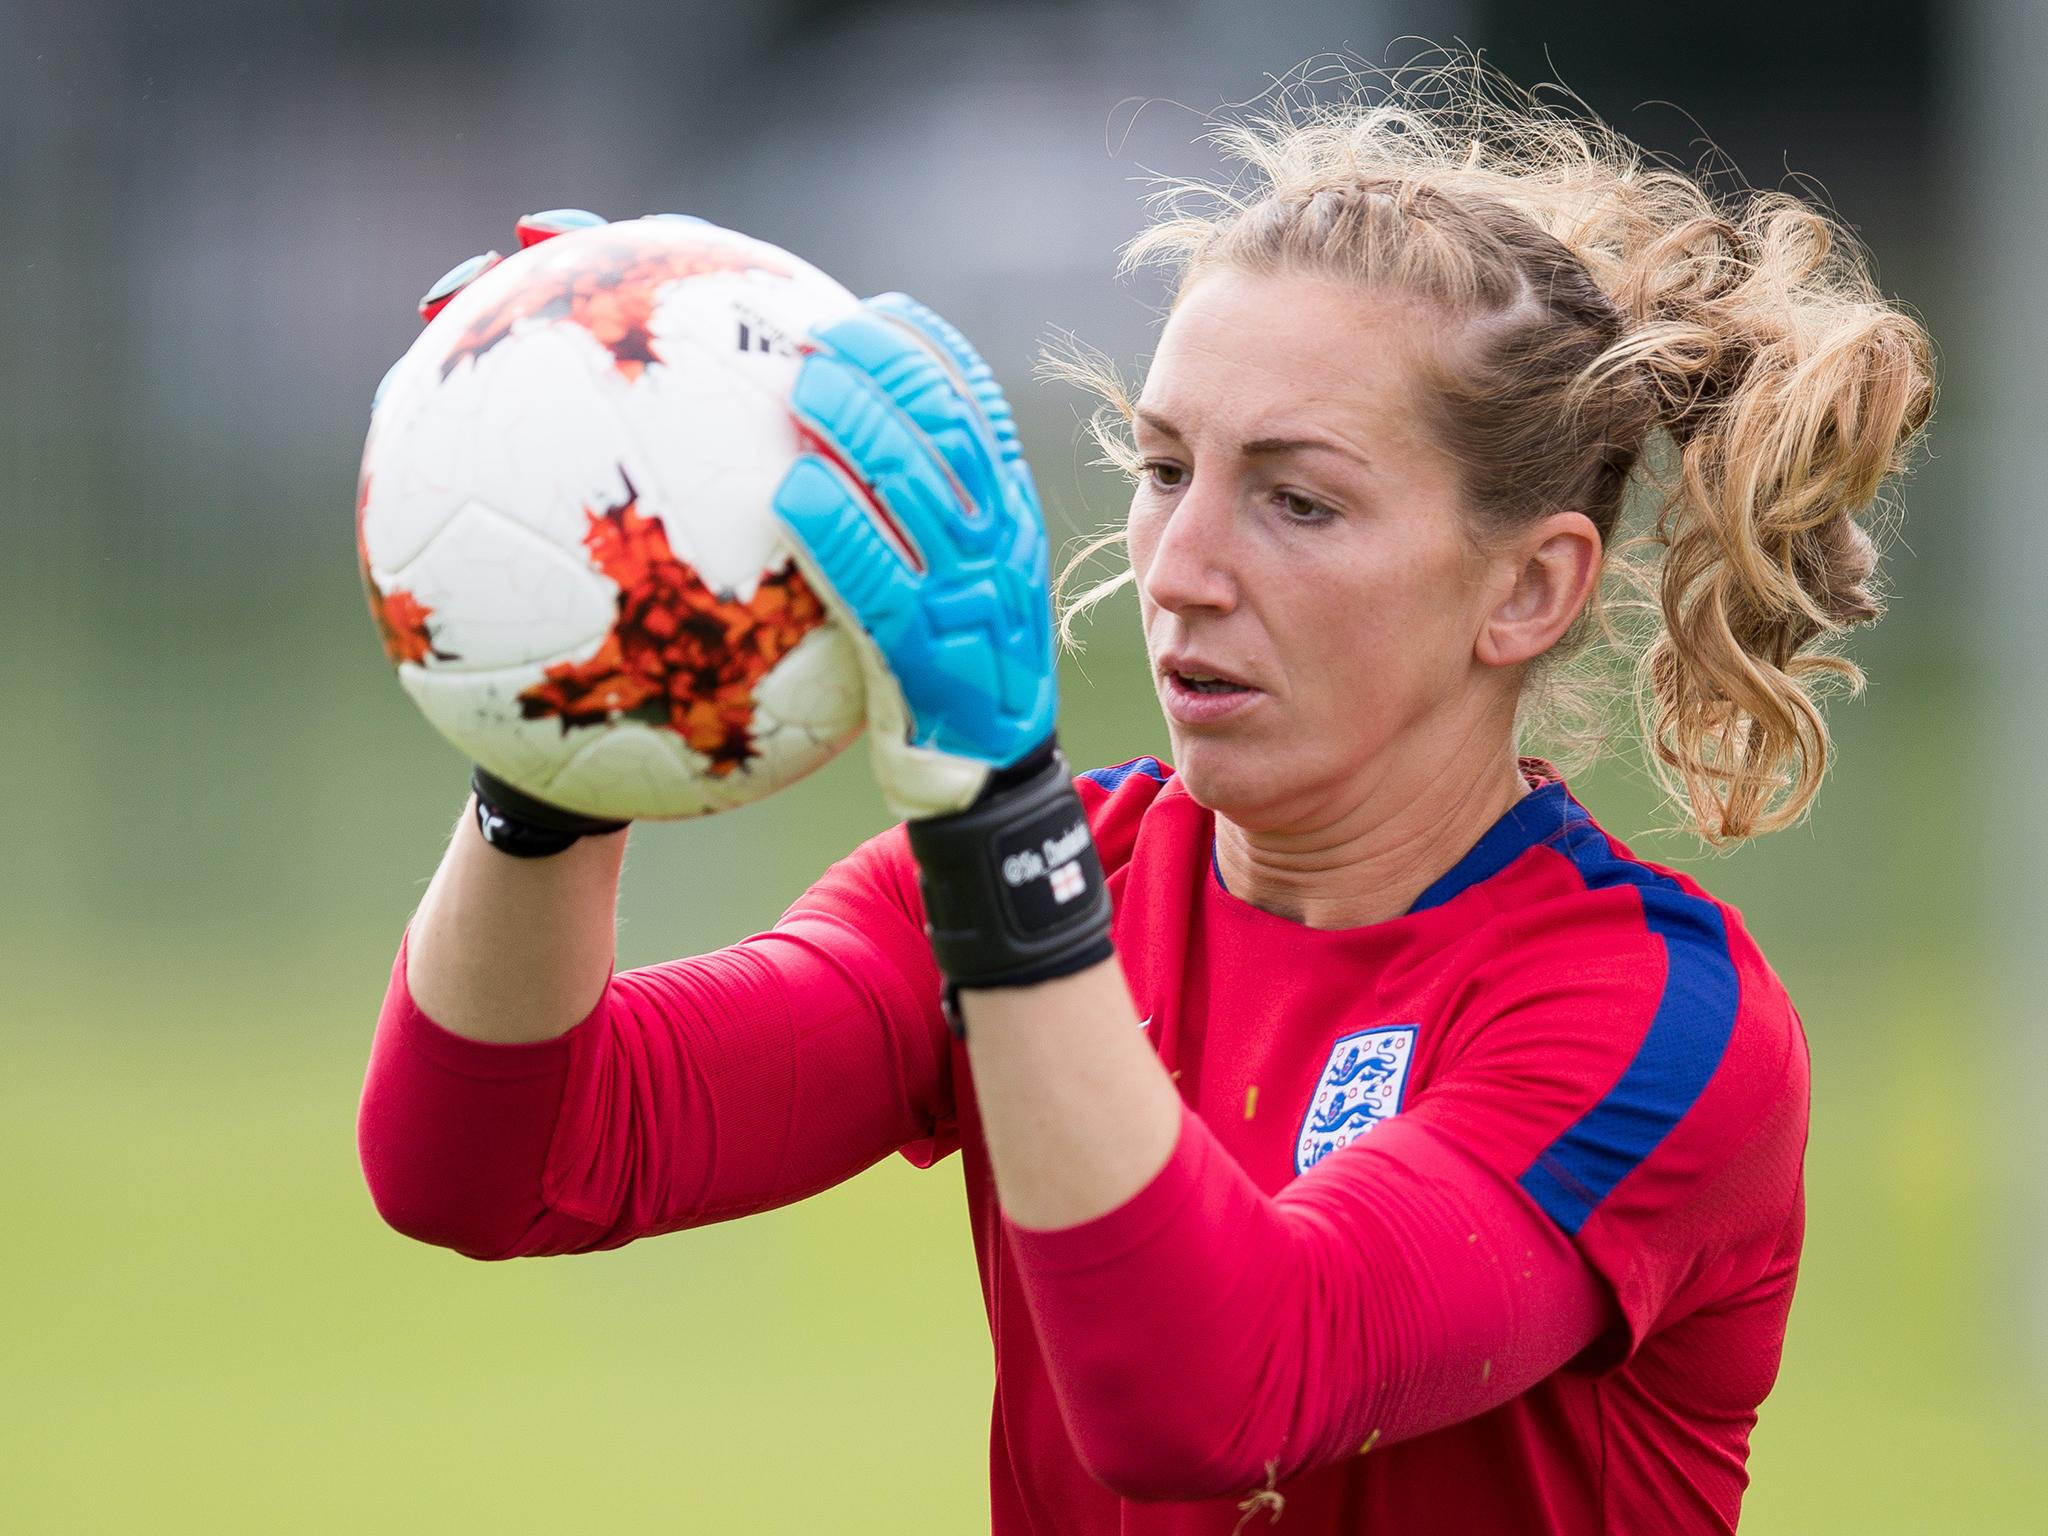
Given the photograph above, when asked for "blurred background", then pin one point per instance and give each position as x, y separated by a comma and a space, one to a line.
219, 808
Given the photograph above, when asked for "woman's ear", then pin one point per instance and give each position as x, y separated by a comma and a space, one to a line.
1546, 577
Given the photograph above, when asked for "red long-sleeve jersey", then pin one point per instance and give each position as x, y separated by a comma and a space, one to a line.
1482, 1219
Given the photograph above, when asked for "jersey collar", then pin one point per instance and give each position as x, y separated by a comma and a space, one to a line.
1541, 816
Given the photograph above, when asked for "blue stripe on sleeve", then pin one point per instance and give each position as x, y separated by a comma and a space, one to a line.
1679, 1054
1109, 778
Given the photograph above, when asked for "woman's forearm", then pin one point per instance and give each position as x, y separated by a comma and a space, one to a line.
1078, 1113
1203, 1333
510, 950
1205, 1337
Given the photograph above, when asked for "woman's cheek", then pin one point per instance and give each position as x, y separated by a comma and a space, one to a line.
1140, 536
1141, 541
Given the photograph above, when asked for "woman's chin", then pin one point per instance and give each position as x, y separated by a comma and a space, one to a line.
1230, 783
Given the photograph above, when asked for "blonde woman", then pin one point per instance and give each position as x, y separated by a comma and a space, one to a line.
1352, 1129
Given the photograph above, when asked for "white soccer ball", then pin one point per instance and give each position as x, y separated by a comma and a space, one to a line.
565, 525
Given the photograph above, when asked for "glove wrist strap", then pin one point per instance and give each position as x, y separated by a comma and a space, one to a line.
1013, 889
514, 822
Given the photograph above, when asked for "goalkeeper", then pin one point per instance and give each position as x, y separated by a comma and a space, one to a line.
1350, 1127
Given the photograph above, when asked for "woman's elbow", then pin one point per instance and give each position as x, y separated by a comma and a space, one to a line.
416, 1214
429, 1197
1154, 1454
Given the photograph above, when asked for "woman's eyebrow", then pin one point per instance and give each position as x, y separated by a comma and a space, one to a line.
1263, 447
1260, 447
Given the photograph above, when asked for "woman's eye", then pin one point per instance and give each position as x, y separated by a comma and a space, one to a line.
1302, 509
1165, 475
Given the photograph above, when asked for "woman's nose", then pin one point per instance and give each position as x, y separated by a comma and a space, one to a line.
1184, 556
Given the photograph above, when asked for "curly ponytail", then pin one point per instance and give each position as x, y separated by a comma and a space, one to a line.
1791, 391
1607, 306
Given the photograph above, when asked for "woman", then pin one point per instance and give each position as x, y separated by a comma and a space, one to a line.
1352, 1130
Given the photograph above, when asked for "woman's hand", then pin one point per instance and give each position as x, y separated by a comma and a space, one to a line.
916, 519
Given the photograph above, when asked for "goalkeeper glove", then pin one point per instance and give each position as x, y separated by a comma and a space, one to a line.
917, 521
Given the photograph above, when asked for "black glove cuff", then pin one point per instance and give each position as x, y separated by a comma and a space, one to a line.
514, 822
1013, 889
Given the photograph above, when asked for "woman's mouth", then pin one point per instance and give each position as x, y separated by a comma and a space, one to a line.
1202, 698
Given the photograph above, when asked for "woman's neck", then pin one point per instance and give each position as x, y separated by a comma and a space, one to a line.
1370, 860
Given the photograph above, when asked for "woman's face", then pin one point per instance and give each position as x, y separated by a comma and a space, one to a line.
1297, 532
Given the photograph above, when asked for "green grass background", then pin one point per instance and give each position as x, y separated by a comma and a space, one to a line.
222, 811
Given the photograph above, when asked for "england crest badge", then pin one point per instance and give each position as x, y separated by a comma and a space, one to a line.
1361, 1085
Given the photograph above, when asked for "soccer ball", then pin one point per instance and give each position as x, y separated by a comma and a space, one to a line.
564, 521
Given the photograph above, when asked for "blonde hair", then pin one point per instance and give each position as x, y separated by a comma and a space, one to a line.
1622, 326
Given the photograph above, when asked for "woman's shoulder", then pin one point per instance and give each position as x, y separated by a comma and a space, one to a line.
1622, 1035
1122, 798
1692, 1014
1550, 864
1138, 779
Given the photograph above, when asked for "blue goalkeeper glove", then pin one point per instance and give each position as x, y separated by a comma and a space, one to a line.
919, 525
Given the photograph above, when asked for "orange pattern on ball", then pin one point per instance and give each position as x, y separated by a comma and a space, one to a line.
609, 287
679, 653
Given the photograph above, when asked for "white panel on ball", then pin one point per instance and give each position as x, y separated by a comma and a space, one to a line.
817, 688
479, 712
552, 432
536, 600
632, 770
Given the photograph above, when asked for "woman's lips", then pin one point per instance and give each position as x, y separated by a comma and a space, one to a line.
1190, 705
